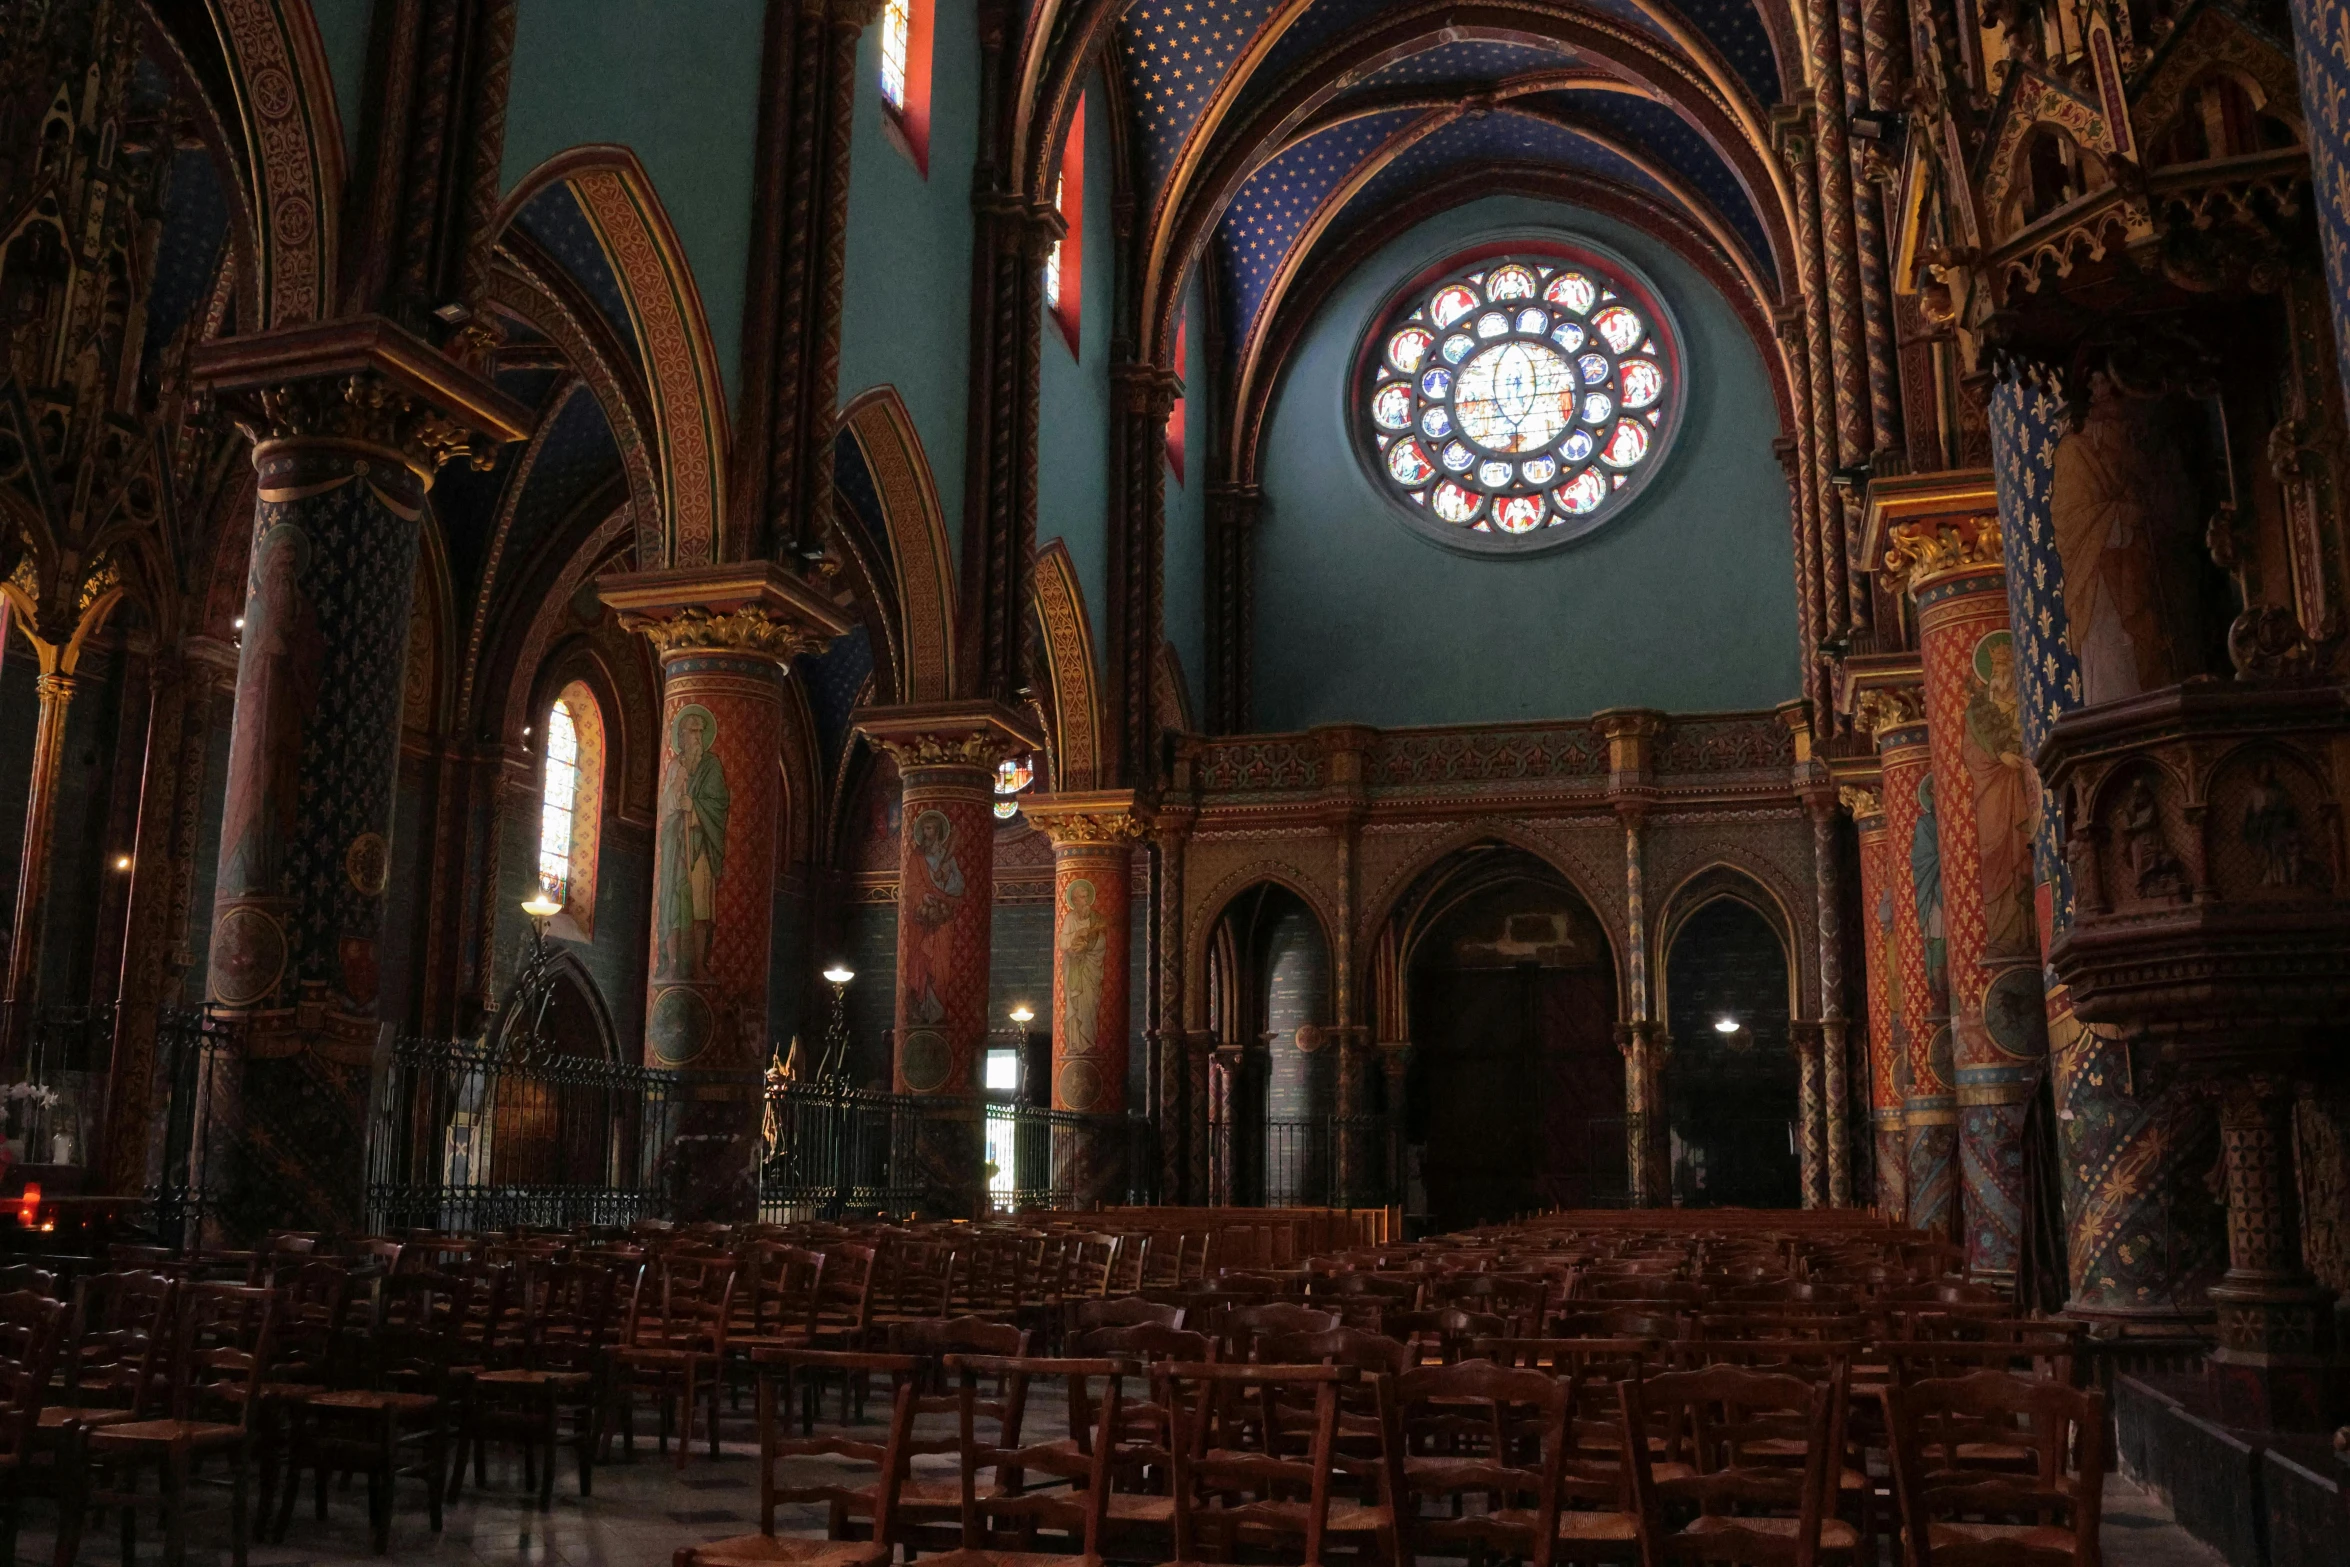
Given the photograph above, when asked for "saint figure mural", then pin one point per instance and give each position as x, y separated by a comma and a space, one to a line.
692, 856
933, 896
1084, 943
2004, 794
2116, 499
1925, 870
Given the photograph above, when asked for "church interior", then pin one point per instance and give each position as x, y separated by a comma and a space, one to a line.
1273, 781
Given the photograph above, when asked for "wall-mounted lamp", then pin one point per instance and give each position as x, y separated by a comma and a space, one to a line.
1725, 1025
1023, 1014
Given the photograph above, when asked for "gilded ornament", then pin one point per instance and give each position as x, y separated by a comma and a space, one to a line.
1083, 827
1861, 802
367, 864
1932, 549
745, 630
362, 408
980, 748
1889, 707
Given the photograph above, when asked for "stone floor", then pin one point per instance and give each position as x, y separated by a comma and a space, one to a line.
643, 1510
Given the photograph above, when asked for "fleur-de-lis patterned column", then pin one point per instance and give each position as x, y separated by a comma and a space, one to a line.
1882, 963
349, 421
1093, 856
946, 754
726, 637
1945, 538
1896, 716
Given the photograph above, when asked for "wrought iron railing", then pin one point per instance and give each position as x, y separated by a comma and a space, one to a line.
1308, 1162
473, 1136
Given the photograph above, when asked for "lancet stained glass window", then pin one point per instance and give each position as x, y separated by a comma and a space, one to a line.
555, 808
1519, 400
897, 23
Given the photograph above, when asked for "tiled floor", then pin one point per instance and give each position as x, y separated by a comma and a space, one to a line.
643, 1511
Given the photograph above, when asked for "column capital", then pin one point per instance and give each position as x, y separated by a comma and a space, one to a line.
1925, 525
948, 734
1888, 708
1102, 816
1863, 803
753, 607
1805, 1037
363, 380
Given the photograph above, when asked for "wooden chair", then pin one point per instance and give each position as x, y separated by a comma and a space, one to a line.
399, 1423
566, 1339
219, 1350
936, 1504
1466, 1433
1223, 1493
1128, 1312
1241, 1326
1445, 1332
1133, 1266
673, 1347
780, 1452
1081, 1514
1724, 1463
32, 1331
1958, 1512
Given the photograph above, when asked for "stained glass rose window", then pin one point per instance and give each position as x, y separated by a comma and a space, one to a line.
1519, 400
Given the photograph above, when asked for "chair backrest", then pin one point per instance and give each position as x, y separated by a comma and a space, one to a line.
1133, 1267
1938, 1424
1460, 1431
778, 1287
1242, 1326
1446, 1330
1337, 1347
1725, 1433
221, 1353
1128, 1312
844, 1293
26, 1276
969, 1335
1145, 1342
32, 1329
778, 1448
1210, 1460
575, 1320
1092, 1461
692, 1295
314, 1304
119, 1337
1087, 1263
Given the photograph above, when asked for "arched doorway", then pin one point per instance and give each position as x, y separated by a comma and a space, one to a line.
1269, 995
1733, 1087
1515, 1096
557, 1118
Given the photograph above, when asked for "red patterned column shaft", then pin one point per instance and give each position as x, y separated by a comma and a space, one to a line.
1914, 855
1987, 792
1880, 958
1092, 904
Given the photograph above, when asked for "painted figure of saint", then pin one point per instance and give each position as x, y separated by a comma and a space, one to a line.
1084, 943
2116, 501
932, 896
2004, 792
2272, 829
277, 677
692, 854
1925, 870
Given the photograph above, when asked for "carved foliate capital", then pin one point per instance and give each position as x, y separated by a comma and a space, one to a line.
1145, 391
741, 630
1928, 550
1889, 707
363, 379
1862, 803
1107, 818
949, 734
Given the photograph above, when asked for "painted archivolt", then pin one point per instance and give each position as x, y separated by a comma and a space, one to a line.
290, 130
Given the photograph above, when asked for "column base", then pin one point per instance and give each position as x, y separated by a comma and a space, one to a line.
2275, 1369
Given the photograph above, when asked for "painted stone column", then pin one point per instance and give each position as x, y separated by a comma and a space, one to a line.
1226, 1064
2325, 88
1828, 879
1199, 1055
349, 422
1881, 961
1803, 1038
2275, 1324
946, 754
1646, 1053
726, 637
2145, 1235
1169, 957
1929, 1105
1988, 795
1093, 855
55, 693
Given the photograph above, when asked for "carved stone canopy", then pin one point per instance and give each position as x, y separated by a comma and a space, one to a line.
361, 379
752, 607
1106, 816
949, 734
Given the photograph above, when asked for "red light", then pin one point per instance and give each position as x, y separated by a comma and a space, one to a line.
29, 1208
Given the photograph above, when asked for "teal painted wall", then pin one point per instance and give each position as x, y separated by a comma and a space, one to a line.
679, 85
1186, 601
343, 26
1685, 603
1073, 395
906, 304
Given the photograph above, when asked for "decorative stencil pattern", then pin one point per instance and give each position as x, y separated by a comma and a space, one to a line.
553, 218
195, 226
1735, 27
1495, 138
1272, 208
1174, 53
576, 459
1673, 142
2027, 420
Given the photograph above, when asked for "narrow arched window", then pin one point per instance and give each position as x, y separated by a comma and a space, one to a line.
905, 78
1064, 264
571, 809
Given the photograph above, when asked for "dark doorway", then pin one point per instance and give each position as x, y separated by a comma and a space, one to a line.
1269, 992
1733, 1084
1516, 1092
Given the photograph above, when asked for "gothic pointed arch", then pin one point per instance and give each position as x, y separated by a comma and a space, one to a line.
287, 136
612, 197
919, 559
1716, 881
1077, 728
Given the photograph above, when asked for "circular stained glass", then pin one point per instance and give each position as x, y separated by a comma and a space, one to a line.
1518, 401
